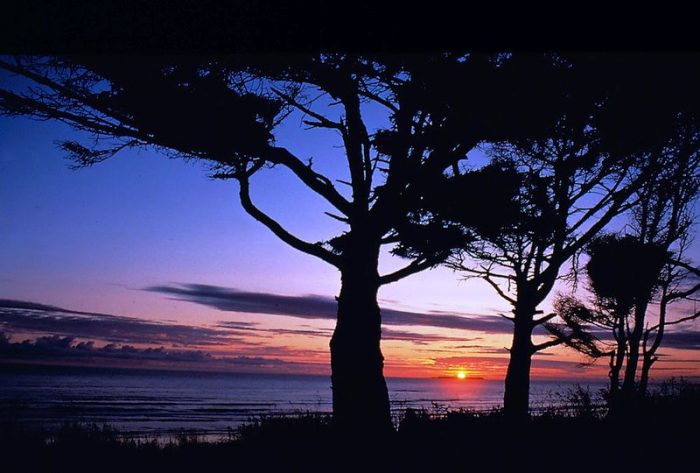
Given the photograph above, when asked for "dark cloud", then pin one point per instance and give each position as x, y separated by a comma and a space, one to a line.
482, 349
420, 338
253, 328
322, 307
56, 348
228, 299
9, 303
237, 325
36, 318
682, 339
677, 360
322, 333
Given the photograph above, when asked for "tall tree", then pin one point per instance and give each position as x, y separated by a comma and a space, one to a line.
571, 184
226, 111
570, 190
646, 265
664, 218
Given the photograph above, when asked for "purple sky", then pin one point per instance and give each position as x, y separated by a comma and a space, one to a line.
93, 239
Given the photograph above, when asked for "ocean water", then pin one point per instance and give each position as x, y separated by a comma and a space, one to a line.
145, 402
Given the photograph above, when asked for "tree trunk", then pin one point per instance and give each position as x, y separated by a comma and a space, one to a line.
628, 384
647, 362
360, 395
516, 400
617, 359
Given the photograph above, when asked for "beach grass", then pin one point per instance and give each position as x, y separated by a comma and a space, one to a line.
657, 432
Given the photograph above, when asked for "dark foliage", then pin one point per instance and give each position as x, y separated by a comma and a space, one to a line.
624, 271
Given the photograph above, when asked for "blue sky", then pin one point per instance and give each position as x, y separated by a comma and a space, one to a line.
89, 239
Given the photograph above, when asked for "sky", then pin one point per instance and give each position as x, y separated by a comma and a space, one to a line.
145, 260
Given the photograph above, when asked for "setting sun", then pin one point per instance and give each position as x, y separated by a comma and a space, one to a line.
461, 375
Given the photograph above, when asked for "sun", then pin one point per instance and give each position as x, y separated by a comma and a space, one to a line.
461, 375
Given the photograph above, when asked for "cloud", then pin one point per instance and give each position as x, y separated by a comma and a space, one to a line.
481, 349
421, 338
322, 307
227, 299
56, 348
681, 339
9, 303
26, 317
326, 333
470, 360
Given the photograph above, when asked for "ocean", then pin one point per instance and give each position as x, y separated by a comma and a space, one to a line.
147, 402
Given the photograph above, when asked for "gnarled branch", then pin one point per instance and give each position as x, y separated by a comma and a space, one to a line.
317, 182
293, 241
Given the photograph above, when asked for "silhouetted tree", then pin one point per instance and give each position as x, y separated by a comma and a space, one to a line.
629, 272
665, 217
679, 283
624, 276
568, 192
570, 185
226, 110
436, 108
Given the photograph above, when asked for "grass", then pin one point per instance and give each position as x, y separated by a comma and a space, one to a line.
570, 435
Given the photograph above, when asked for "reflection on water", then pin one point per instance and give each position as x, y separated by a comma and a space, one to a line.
157, 402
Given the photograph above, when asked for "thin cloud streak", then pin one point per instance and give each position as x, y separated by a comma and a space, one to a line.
321, 307
37, 318
387, 333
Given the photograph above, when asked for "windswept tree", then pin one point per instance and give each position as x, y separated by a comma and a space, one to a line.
433, 109
665, 217
623, 275
628, 273
680, 283
570, 185
568, 191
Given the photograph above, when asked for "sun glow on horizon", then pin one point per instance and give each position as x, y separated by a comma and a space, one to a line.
461, 375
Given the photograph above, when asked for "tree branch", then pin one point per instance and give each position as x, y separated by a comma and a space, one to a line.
321, 120
672, 296
67, 92
317, 182
544, 319
548, 344
313, 249
686, 266
415, 266
364, 92
498, 289
675, 322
